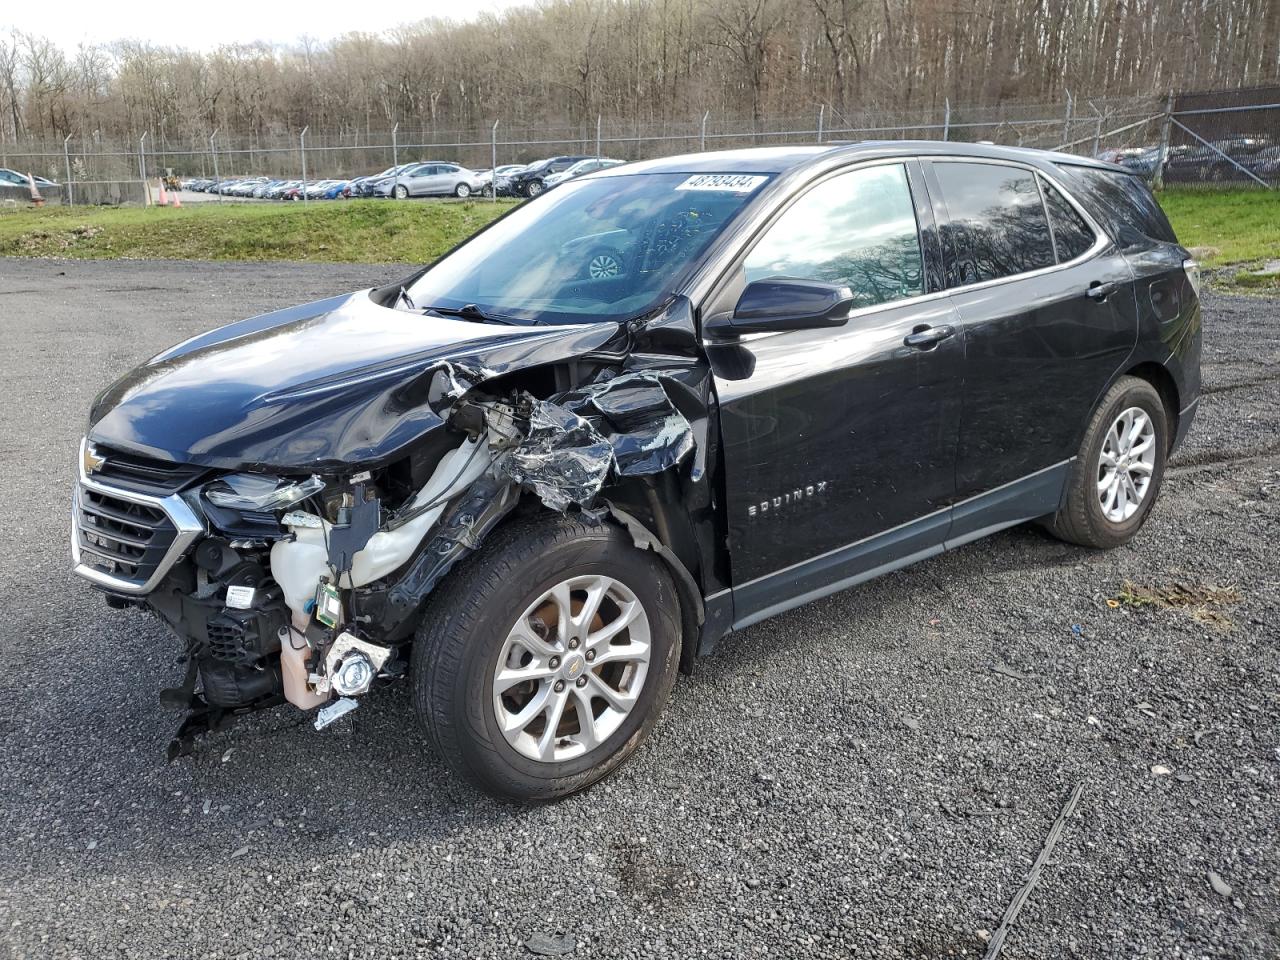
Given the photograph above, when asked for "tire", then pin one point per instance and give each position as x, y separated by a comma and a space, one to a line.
533, 188
486, 192
401, 192
462, 191
468, 625
1083, 518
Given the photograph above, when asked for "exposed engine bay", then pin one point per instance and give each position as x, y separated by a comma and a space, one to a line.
308, 588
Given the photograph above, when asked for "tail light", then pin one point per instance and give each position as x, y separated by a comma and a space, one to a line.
1192, 269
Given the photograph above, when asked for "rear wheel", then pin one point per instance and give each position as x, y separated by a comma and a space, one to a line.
544, 660
462, 191
1117, 472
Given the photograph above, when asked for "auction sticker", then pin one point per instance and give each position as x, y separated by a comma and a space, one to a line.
723, 182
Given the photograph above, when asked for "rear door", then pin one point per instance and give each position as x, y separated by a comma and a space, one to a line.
449, 177
839, 444
1047, 307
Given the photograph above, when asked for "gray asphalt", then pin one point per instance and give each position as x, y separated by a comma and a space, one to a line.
869, 776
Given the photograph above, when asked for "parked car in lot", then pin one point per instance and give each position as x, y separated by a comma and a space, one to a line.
1200, 162
531, 181
1266, 163
16, 186
501, 175
1143, 161
533, 493
433, 179
590, 165
363, 186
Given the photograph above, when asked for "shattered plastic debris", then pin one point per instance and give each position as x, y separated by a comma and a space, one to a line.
649, 435
564, 459
627, 425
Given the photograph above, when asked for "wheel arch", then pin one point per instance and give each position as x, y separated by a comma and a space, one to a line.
1158, 375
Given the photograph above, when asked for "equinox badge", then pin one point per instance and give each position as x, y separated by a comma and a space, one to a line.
785, 499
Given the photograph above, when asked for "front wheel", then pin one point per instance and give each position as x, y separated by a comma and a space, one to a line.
1116, 475
401, 191
533, 188
543, 661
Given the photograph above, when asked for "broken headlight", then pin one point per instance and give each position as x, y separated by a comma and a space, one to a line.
251, 491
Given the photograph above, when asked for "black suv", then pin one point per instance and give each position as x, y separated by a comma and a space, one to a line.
534, 491
531, 181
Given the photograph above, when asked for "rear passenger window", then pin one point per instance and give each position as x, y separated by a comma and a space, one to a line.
858, 228
996, 225
1071, 235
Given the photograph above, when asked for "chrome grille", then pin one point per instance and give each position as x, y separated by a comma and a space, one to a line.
122, 537
124, 540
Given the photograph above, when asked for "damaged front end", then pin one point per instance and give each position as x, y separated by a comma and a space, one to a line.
291, 537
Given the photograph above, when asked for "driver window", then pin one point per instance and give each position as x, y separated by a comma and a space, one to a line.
858, 228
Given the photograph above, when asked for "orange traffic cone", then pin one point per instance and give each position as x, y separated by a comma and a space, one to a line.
177, 200
35, 193
164, 197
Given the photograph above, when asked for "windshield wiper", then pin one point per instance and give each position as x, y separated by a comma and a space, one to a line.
404, 296
472, 312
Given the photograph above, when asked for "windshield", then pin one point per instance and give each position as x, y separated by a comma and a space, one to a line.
594, 249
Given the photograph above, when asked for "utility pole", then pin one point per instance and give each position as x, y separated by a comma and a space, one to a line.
822, 115
702, 140
946, 119
597, 136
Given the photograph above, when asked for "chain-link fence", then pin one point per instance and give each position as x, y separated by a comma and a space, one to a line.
1211, 138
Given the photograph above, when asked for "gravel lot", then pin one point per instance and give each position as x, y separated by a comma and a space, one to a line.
869, 776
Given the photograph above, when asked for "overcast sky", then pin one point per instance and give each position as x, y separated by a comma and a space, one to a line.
204, 26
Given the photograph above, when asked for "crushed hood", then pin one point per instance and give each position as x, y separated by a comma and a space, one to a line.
318, 387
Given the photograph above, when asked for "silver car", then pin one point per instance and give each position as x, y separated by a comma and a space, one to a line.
430, 180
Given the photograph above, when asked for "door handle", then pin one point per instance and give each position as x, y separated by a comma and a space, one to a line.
1100, 291
926, 337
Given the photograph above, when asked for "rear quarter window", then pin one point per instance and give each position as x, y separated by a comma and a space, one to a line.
1123, 203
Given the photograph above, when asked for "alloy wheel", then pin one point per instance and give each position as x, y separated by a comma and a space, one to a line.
462, 191
571, 668
534, 188
1126, 464
603, 266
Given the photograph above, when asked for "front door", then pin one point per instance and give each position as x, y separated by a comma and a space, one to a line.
839, 444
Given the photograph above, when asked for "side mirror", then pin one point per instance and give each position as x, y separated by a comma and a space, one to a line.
782, 303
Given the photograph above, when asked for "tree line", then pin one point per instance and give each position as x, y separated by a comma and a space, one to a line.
560, 63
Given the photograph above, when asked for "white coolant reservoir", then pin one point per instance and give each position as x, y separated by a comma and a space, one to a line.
298, 564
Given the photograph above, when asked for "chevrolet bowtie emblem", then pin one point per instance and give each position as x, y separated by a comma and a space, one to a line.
90, 459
